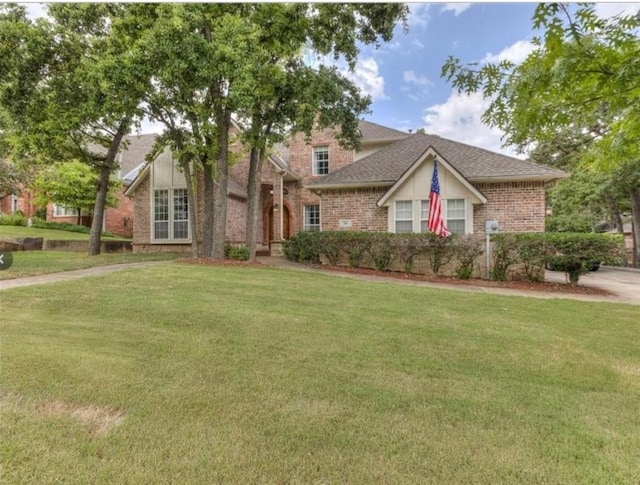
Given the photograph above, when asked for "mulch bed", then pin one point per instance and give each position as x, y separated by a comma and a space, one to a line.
448, 280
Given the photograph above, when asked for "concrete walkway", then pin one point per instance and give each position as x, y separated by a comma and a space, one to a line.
623, 283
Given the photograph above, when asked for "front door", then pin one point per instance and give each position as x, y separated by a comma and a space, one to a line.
285, 223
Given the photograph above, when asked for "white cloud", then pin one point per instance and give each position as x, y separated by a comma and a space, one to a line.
415, 42
606, 10
456, 8
459, 118
418, 15
515, 53
411, 77
367, 77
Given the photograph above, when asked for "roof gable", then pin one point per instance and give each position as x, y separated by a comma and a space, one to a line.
370, 131
430, 154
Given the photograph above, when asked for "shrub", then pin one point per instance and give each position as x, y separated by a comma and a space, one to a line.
531, 253
357, 248
381, 250
303, 247
64, 226
467, 250
575, 253
438, 249
504, 253
407, 247
330, 246
239, 253
16, 219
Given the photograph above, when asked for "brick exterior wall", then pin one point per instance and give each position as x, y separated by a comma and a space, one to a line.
517, 206
24, 204
357, 205
301, 163
141, 214
119, 219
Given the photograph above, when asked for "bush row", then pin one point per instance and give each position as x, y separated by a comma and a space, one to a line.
513, 255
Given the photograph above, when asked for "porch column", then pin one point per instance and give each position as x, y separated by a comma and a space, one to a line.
278, 200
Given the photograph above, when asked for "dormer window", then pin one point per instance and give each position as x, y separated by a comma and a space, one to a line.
321, 160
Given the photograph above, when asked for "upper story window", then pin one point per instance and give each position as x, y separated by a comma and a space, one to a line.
321, 160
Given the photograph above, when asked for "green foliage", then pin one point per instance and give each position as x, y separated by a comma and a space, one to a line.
504, 253
468, 249
439, 250
575, 253
72, 184
63, 226
240, 253
11, 178
567, 223
531, 252
381, 250
304, 247
407, 248
16, 219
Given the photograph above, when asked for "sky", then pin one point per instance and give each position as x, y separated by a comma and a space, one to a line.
403, 76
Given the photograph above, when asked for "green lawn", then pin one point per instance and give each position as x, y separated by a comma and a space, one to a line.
13, 232
181, 373
30, 263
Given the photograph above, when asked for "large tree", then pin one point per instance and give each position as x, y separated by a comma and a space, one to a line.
215, 61
583, 77
71, 88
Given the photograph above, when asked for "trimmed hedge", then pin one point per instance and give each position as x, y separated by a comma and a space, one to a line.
513, 255
20, 220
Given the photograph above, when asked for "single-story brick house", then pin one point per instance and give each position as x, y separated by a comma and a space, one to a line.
321, 186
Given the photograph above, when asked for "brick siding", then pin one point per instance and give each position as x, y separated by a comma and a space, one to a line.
517, 206
356, 205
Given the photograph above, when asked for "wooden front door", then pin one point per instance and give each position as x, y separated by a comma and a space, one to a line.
285, 223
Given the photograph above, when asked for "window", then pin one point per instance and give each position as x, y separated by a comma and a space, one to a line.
424, 216
14, 203
170, 214
456, 220
320, 160
311, 217
403, 216
62, 211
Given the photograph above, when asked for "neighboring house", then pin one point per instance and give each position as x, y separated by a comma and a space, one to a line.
119, 219
320, 186
22, 203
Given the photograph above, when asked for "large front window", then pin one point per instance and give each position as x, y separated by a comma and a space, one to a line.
170, 214
311, 217
320, 160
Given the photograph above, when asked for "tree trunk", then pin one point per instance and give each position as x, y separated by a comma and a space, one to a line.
209, 216
635, 225
79, 216
253, 194
193, 213
223, 120
103, 188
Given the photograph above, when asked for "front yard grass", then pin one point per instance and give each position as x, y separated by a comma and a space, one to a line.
179, 373
32, 263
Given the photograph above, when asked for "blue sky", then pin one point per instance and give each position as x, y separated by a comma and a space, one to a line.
403, 76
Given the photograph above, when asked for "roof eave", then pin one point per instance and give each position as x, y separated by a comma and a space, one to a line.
357, 185
520, 178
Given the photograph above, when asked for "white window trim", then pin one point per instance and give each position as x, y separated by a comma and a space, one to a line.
56, 207
304, 216
152, 232
416, 221
465, 217
314, 167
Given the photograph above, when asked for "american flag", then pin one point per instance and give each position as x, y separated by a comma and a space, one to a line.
436, 223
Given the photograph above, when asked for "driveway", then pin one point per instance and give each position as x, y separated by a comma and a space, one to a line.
622, 282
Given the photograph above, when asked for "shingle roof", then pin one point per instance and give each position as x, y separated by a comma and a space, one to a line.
133, 154
373, 131
389, 163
